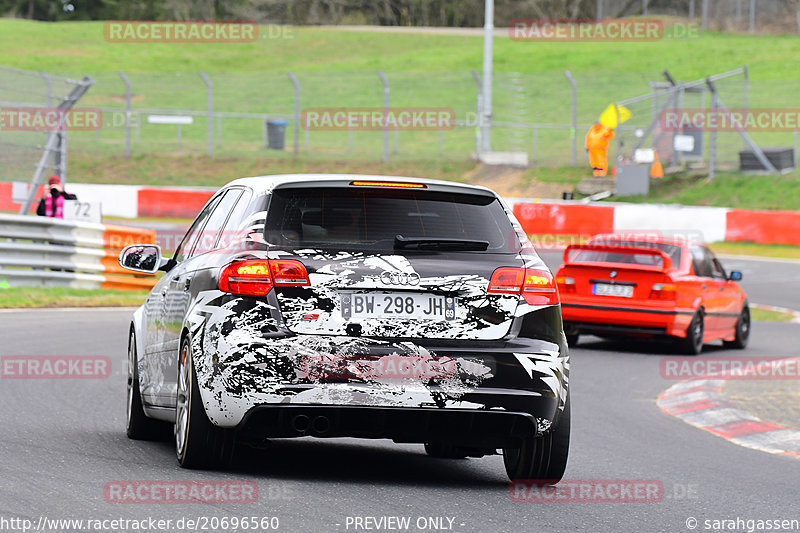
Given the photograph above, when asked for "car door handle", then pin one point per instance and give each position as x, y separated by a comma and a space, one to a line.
164, 292
704, 285
187, 283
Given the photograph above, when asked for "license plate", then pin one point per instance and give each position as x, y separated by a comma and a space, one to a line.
398, 305
604, 289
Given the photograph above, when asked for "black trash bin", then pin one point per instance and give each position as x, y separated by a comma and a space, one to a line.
276, 134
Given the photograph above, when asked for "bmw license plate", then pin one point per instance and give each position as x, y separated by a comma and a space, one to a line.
397, 305
604, 289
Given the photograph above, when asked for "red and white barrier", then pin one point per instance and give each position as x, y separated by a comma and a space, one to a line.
707, 224
551, 217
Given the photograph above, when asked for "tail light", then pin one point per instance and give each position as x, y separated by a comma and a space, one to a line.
536, 286
256, 277
288, 272
663, 291
566, 284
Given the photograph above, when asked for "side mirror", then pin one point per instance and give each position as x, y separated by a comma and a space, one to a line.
144, 258
735, 275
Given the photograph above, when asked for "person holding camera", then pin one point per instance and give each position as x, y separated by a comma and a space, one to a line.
52, 204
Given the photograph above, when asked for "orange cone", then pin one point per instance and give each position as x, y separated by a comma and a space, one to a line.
656, 170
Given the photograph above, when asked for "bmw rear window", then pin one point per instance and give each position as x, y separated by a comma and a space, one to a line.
674, 253
370, 219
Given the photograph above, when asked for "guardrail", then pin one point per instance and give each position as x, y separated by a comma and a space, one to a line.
48, 252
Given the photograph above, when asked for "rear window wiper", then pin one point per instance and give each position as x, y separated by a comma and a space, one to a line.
436, 243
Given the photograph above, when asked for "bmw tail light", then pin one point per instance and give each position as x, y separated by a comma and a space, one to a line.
250, 277
539, 289
288, 272
664, 291
536, 286
566, 284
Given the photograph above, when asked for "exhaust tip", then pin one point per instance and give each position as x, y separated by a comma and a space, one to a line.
321, 425
301, 423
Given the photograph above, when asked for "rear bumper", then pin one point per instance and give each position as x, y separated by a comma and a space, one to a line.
241, 387
608, 318
462, 427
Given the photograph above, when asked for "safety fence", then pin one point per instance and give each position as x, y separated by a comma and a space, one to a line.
48, 252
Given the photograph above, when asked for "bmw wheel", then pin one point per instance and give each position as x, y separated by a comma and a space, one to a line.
742, 330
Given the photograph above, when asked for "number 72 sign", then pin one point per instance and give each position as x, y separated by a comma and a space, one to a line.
83, 211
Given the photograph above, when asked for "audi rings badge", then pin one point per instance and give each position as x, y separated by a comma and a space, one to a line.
399, 278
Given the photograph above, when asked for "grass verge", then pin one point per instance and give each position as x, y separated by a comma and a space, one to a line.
34, 297
768, 315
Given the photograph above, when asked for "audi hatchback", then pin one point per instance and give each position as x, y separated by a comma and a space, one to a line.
352, 306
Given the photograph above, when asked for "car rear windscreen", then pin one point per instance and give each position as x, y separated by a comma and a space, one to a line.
370, 219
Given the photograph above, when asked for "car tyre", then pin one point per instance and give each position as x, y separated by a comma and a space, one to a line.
693, 343
138, 425
541, 458
742, 330
199, 444
444, 451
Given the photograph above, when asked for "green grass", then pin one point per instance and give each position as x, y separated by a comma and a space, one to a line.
728, 189
767, 315
30, 297
762, 250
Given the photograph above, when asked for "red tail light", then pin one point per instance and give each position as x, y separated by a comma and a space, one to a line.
255, 277
289, 272
539, 288
566, 284
535, 286
663, 291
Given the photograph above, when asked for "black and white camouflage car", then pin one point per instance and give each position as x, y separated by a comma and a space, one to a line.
352, 306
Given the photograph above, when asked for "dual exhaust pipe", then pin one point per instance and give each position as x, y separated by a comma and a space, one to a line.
318, 426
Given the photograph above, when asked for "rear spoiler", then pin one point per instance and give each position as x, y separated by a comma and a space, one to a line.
666, 261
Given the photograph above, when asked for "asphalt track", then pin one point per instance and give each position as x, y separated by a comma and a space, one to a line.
63, 440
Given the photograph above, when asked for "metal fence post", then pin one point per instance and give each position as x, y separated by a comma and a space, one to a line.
49, 83
296, 128
478, 114
385, 115
127, 83
210, 116
691, 9
712, 141
599, 9
752, 16
704, 24
574, 128
644, 8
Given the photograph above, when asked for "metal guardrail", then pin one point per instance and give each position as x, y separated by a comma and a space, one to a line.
48, 252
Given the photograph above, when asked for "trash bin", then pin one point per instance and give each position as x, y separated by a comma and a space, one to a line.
276, 134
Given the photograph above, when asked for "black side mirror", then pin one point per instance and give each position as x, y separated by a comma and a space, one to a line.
735, 275
144, 258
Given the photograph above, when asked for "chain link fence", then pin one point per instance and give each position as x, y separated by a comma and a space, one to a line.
761, 16
532, 114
